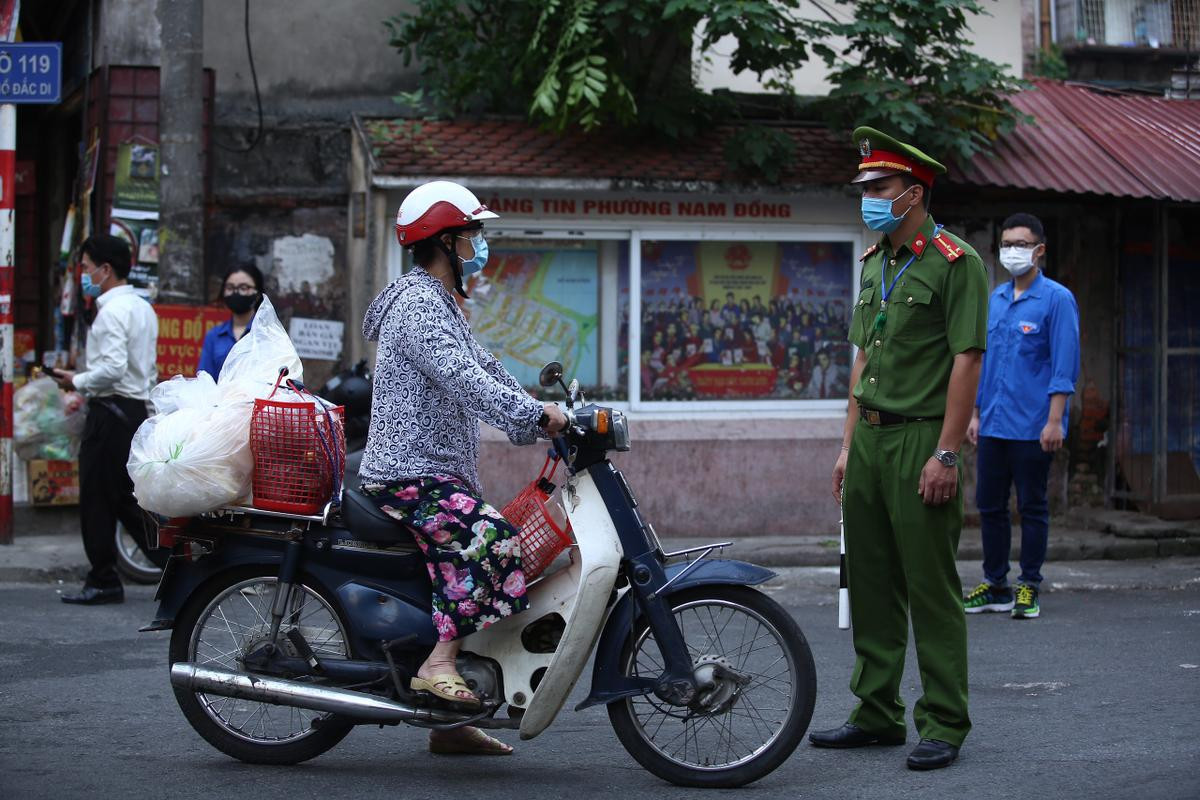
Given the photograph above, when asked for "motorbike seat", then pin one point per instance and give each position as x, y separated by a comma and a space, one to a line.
366, 522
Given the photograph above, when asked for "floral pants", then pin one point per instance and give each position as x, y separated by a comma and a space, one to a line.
473, 553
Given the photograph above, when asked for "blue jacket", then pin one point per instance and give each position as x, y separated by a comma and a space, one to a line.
217, 344
1032, 353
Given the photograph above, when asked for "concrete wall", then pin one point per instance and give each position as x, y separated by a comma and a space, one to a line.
997, 37
127, 33
314, 58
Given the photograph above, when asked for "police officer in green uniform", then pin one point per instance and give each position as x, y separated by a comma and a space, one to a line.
920, 325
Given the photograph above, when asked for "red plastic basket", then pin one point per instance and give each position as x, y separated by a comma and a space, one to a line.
542, 539
299, 453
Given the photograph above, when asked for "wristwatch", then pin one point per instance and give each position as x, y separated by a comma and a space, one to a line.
948, 457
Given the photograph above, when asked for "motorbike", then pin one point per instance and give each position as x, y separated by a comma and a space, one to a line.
289, 630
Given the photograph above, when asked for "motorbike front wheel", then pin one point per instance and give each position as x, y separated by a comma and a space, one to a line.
757, 686
219, 625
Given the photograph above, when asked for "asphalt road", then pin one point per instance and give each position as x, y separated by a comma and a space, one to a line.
1099, 698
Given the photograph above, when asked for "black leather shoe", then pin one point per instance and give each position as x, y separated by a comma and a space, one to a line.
850, 736
93, 596
932, 754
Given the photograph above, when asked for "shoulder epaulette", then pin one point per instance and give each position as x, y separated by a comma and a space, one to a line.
870, 251
949, 249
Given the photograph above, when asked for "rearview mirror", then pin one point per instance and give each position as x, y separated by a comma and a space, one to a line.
551, 374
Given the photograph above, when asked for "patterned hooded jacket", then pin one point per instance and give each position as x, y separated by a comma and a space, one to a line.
433, 383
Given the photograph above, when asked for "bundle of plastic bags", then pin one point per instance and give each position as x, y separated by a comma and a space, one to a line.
193, 455
47, 422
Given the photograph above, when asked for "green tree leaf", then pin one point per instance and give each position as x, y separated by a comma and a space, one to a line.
587, 64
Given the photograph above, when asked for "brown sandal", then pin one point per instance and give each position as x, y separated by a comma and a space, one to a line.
467, 741
446, 686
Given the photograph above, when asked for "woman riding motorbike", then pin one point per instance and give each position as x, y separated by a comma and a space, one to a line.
433, 383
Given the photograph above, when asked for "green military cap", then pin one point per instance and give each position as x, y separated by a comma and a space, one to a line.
883, 155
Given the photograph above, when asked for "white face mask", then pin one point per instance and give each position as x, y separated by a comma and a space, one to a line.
1017, 260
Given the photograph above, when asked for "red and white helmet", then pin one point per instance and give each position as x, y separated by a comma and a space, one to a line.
435, 206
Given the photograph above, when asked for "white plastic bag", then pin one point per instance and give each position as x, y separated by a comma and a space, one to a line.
258, 356
192, 460
181, 392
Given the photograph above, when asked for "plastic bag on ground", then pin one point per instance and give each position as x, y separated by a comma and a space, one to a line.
253, 363
192, 460
47, 422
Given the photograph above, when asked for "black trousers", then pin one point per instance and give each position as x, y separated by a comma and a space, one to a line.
105, 489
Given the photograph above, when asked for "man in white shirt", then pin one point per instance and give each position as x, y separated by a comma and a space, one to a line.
122, 348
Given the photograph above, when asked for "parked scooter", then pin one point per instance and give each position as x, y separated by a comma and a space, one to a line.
132, 561
708, 682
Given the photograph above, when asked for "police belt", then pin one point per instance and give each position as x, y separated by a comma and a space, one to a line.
876, 417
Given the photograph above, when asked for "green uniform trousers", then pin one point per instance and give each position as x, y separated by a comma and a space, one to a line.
900, 559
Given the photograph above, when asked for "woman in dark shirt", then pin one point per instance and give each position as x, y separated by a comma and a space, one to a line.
241, 291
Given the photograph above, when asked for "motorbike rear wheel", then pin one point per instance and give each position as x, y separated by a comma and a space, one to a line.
219, 624
757, 690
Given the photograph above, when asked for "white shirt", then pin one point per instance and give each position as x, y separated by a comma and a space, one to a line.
122, 347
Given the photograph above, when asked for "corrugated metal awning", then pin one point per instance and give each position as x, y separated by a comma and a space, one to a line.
1093, 141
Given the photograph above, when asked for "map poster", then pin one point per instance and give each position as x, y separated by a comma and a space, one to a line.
536, 304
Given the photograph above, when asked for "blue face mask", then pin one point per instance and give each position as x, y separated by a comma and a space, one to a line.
877, 213
477, 262
90, 289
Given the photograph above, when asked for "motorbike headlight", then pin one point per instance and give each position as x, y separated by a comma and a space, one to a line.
620, 431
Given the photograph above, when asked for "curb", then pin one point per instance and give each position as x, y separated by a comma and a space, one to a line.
66, 574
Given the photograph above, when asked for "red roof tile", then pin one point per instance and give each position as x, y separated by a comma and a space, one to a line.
516, 149
1086, 141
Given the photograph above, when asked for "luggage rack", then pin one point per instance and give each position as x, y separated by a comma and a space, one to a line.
330, 511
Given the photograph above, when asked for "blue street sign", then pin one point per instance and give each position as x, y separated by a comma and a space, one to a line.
30, 72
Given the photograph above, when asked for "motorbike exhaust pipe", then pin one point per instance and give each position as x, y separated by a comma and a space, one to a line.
278, 691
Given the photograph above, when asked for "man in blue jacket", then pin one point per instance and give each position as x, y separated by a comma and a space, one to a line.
1021, 414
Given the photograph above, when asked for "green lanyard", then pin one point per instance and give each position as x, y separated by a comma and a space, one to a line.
881, 317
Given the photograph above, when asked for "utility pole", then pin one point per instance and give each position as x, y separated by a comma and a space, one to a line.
1047, 29
180, 135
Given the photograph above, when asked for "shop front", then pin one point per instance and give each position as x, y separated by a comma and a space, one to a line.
715, 320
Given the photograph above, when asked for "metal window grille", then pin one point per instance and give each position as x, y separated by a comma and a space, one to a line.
1130, 23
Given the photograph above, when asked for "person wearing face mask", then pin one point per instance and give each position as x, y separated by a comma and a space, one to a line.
1021, 415
433, 383
920, 326
122, 348
241, 291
